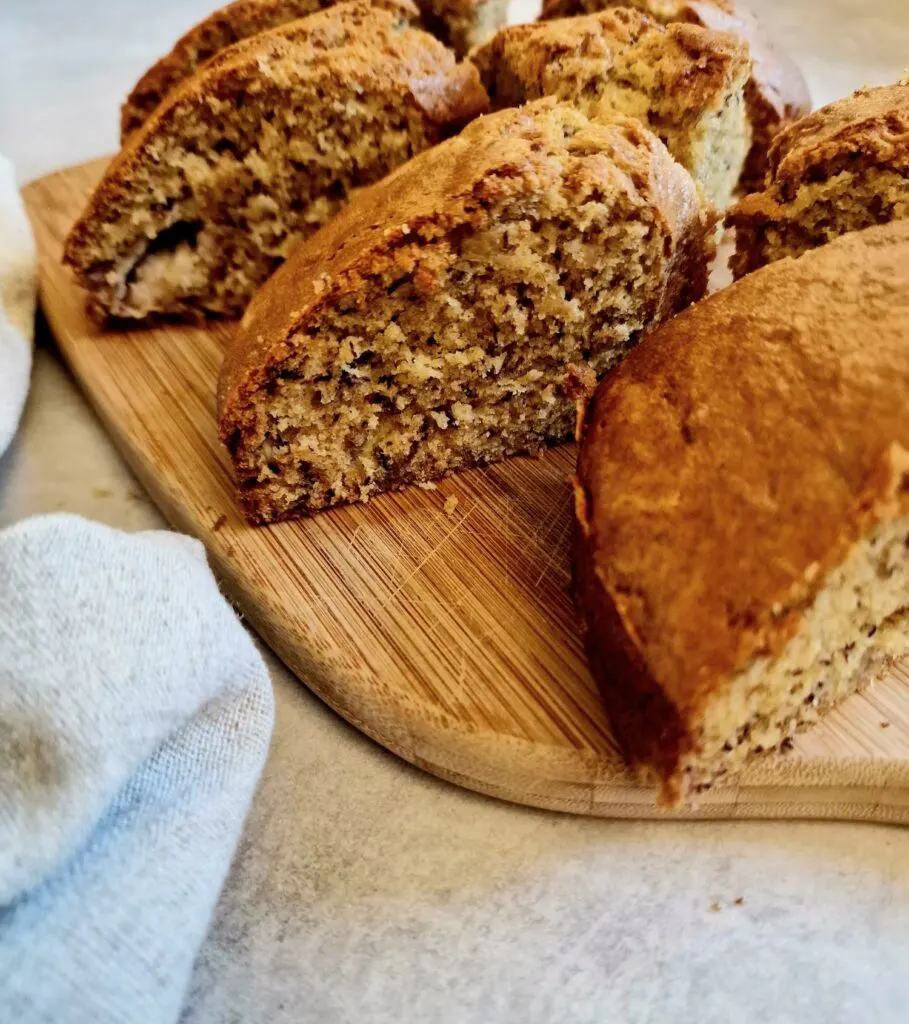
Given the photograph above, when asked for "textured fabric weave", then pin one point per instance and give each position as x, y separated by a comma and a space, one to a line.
135, 715
135, 718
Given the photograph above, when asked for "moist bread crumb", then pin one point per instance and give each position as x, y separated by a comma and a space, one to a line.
683, 82
255, 152
843, 168
431, 325
742, 549
776, 93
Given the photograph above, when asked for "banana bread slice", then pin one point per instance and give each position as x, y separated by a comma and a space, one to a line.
460, 23
776, 93
255, 152
843, 168
685, 83
742, 553
223, 28
431, 325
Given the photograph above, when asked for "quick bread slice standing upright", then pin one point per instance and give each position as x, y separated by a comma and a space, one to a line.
843, 168
776, 93
683, 82
255, 152
742, 551
432, 324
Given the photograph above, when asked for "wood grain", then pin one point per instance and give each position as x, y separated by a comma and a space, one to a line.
449, 639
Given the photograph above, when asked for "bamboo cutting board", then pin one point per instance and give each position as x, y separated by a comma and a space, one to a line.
447, 635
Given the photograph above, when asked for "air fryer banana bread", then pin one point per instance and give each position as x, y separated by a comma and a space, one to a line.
842, 168
431, 325
685, 83
461, 23
742, 553
776, 93
255, 152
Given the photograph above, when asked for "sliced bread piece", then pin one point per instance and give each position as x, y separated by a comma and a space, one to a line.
843, 168
431, 325
459, 23
742, 554
776, 93
222, 28
255, 152
685, 83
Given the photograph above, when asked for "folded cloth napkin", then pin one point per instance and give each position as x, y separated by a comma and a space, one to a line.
135, 717
17, 303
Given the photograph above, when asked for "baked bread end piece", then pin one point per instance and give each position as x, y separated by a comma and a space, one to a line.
742, 539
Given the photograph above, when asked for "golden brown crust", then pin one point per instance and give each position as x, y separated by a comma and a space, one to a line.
222, 28
411, 64
727, 465
458, 23
776, 94
387, 229
871, 124
868, 129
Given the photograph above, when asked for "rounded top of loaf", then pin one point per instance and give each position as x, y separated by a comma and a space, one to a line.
737, 454
223, 27
872, 123
383, 229
346, 43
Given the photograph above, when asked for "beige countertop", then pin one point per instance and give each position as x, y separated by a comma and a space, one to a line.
366, 891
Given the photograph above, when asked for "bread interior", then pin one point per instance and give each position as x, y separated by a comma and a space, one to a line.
820, 211
855, 628
463, 360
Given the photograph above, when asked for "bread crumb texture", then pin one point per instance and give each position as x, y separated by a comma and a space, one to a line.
431, 325
257, 151
776, 93
685, 83
841, 169
743, 554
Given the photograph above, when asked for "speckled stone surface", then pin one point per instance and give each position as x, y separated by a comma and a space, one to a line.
365, 891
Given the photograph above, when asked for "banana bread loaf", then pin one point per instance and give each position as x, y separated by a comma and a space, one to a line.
685, 83
742, 551
460, 23
257, 150
431, 325
776, 93
843, 168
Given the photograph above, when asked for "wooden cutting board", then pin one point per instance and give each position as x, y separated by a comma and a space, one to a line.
447, 636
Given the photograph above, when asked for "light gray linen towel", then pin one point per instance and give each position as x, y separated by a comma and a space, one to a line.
135, 719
